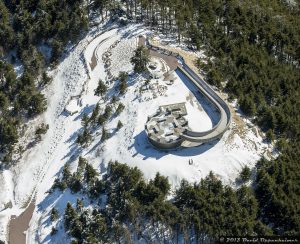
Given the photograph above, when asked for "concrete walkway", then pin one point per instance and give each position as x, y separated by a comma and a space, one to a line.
176, 62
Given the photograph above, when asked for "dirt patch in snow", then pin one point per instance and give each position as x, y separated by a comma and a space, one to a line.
94, 61
239, 127
189, 57
171, 61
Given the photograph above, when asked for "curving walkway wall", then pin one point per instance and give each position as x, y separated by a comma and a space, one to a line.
194, 138
197, 138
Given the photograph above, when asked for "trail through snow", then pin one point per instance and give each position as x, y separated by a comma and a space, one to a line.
76, 78
35, 169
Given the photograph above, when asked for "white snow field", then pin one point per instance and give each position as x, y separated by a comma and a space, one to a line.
75, 78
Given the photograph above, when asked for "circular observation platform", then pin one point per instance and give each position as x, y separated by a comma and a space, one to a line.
165, 127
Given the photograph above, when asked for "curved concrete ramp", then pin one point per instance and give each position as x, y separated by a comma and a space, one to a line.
194, 138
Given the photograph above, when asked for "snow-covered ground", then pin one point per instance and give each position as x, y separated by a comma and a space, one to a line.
77, 78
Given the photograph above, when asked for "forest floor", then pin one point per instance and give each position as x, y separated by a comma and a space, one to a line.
76, 77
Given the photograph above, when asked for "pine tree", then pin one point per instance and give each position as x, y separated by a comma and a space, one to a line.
54, 214
42, 129
98, 226
245, 174
53, 231
119, 125
122, 87
101, 120
113, 99
105, 135
75, 184
162, 183
37, 104
123, 76
66, 173
140, 59
81, 165
79, 205
120, 108
90, 173
85, 120
8, 134
97, 188
70, 216
45, 79
61, 185
85, 138
270, 135
95, 114
101, 89
248, 106
107, 112
76, 229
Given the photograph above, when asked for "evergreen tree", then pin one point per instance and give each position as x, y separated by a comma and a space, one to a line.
214, 77
66, 173
53, 231
54, 214
123, 76
85, 120
270, 135
245, 174
113, 99
119, 125
95, 114
120, 108
36, 105
105, 135
101, 120
97, 188
101, 89
98, 226
162, 183
81, 166
85, 138
70, 216
61, 185
45, 79
140, 59
107, 112
90, 173
247, 106
76, 229
8, 134
79, 205
75, 183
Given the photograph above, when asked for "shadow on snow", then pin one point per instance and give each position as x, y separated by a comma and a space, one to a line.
143, 147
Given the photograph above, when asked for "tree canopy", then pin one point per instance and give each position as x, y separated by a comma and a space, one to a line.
140, 59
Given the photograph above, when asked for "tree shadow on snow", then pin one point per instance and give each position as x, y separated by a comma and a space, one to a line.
56, 199
133, 32
86, 110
